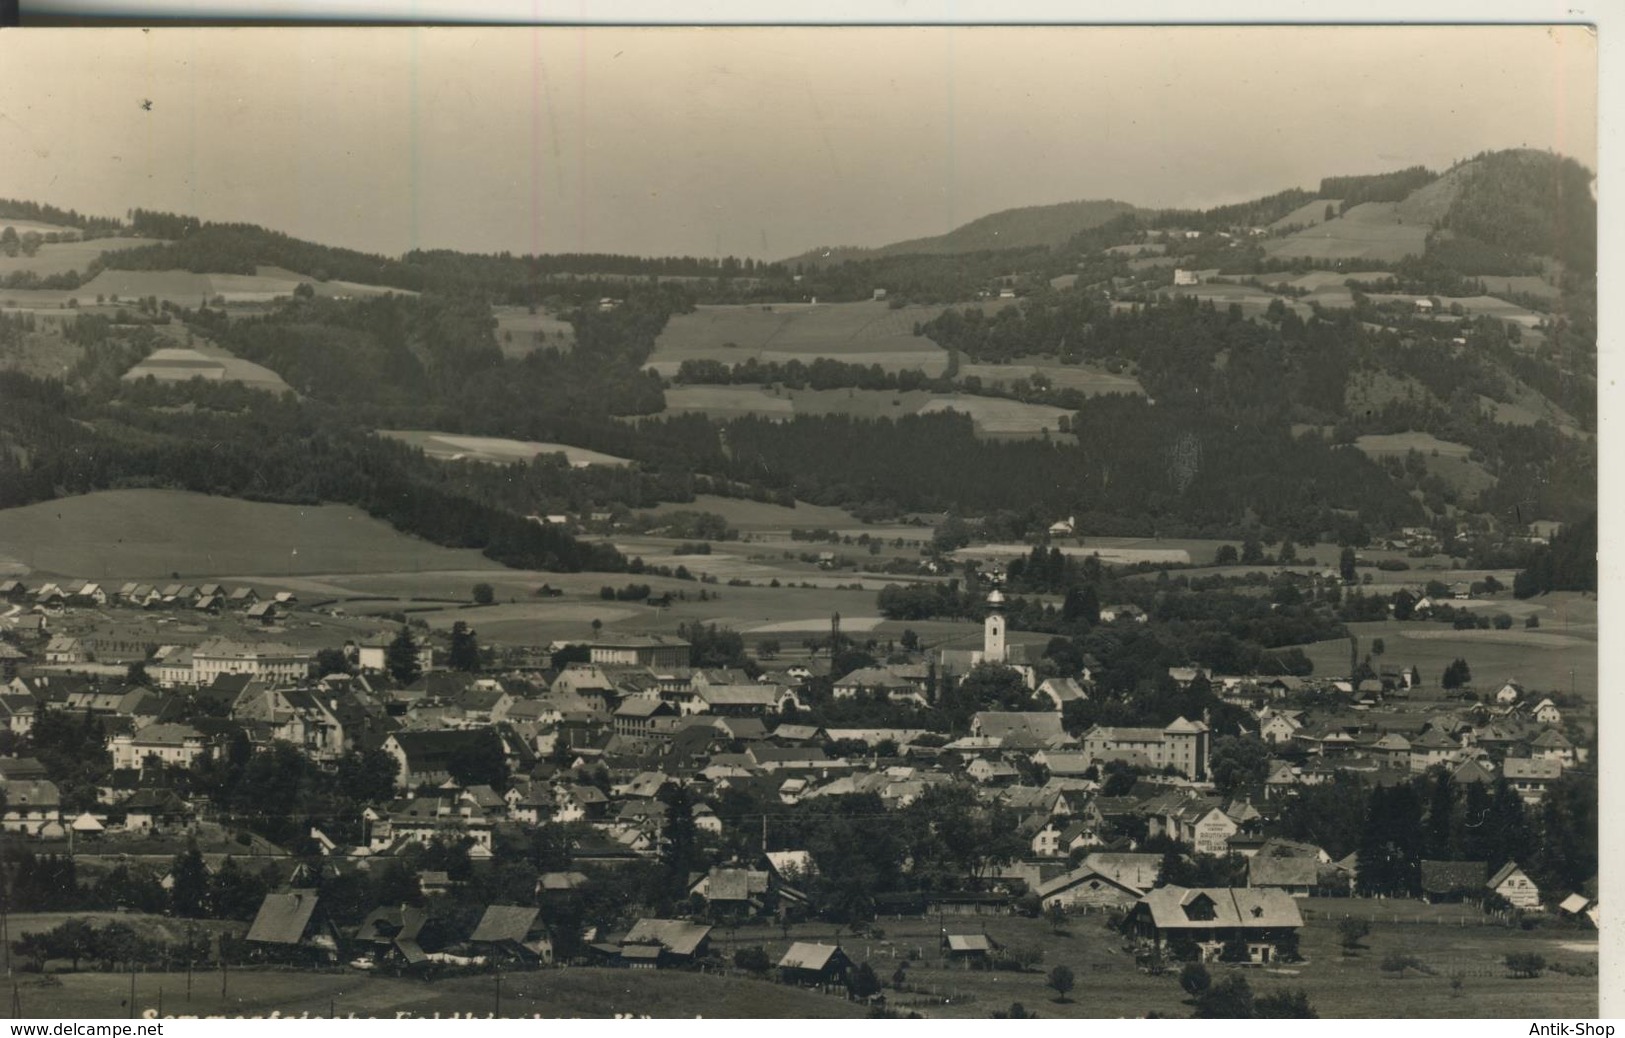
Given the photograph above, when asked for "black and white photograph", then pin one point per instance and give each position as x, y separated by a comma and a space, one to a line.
957, 522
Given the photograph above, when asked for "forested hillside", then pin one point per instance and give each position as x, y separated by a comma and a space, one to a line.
1250, 420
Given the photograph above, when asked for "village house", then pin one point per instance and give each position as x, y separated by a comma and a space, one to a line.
663, 943
811, 964
389, 936
32, 807
1512, 883
1263, 921
1449, 881
512, 934
174, 745
291, 926
1531, 776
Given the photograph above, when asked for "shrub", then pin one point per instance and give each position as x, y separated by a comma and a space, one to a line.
1194, 979
1350, 932
1284, 1005
753, 960
1525, 964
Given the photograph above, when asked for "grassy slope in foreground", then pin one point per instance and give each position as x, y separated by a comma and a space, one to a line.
150, 534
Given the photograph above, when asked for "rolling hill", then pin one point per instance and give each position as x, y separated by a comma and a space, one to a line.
1027, 227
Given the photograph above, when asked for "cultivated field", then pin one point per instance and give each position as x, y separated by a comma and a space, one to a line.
1372, 230
854, 333
456, 447
24, 226
182, 364
150, 534
729, 401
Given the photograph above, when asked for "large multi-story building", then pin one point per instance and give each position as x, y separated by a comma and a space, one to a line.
1182, 745
642, 651
270, 660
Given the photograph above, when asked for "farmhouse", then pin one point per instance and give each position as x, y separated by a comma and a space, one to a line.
813, 964
1531, 776
512, 933
1512, 883
1212, 917
1087, 888
390, 935
660, 943
290, 925
1445, 881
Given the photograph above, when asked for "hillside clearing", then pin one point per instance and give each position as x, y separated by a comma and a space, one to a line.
854, 333
495, 449
182, 364
1369, 231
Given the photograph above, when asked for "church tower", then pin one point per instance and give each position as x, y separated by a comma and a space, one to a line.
993, 629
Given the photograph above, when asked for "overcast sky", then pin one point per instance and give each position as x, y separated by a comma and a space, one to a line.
759, 142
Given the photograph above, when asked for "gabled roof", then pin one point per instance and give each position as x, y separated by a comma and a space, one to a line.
386, 925
1265, 871
677, 936
1504, 873
505, 923
1452, 877
805, 955
1530, 768
1232, 907
283, 918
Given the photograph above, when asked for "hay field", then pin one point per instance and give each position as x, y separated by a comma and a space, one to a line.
150, 534
854, 333
1372, 230
495, 449
184, 363
22, 227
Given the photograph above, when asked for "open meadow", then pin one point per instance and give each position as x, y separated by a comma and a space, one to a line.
1086, 380
520, 332
1559, 655
151, 534
60, 257
854, 333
